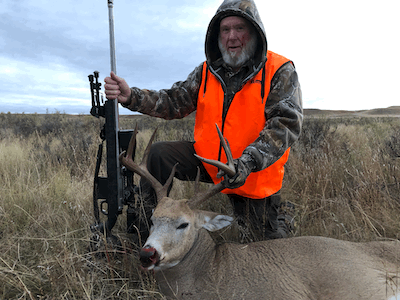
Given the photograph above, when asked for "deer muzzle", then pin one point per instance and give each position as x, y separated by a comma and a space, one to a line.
149, 257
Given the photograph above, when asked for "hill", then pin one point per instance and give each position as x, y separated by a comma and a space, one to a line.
392, 111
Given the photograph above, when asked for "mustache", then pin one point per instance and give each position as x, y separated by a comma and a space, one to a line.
233, 59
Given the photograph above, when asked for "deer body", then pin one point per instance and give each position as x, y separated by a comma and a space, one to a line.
189, 265
295, 268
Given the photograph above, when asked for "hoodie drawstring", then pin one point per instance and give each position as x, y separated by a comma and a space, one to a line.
205, 82
263, 85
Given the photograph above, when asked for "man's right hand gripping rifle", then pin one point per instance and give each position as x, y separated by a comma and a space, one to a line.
116, 88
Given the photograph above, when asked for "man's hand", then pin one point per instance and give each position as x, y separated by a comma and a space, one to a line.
243, 170
117, 88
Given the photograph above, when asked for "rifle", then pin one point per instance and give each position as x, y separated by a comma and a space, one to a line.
117, 189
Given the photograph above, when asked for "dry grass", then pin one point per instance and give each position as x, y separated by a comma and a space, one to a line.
343, 176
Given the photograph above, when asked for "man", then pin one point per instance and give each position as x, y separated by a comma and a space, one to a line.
254, 97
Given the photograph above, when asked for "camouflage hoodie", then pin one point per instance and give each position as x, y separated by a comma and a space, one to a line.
242, 8
283, 107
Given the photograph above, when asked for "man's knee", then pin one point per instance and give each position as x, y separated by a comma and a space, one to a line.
156, 160
156, 151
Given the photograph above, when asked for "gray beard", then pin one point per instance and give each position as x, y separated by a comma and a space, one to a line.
234, 61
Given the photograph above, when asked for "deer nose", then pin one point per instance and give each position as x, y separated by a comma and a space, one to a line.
149, 257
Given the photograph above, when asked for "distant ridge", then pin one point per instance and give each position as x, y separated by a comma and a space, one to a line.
392, 111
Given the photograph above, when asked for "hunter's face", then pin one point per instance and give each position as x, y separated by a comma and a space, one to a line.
235, 33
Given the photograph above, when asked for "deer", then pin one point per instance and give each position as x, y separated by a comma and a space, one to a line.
188, 264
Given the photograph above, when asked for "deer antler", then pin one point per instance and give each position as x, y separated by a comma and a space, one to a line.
228, 169
126, 159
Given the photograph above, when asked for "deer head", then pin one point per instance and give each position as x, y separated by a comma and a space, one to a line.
175, 223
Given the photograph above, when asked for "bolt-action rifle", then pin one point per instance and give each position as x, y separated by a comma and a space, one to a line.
117, 189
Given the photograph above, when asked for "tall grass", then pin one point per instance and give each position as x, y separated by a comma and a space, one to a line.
342, 175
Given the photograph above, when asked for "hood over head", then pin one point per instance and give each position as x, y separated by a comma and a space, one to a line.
242, 8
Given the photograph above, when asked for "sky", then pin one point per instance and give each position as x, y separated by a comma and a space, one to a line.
345, 51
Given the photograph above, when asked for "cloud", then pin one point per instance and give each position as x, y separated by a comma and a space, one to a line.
51, 47
345, 53
29, 86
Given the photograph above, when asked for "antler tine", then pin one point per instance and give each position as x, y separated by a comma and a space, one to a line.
228, 169
147, 150
225, 144
197, 181
197, 199
126, 159
131, 151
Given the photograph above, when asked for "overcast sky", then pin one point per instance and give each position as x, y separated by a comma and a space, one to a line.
345, 51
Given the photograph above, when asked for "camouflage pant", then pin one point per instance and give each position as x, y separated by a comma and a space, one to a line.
260, 218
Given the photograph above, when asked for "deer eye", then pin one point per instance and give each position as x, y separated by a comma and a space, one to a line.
183, 226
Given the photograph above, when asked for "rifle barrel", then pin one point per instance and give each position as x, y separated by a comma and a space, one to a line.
112, 38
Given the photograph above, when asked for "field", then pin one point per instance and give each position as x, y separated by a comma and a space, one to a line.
343, 176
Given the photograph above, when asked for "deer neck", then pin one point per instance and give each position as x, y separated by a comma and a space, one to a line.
203, 250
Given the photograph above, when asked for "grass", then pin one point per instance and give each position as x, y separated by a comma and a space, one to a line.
342, 175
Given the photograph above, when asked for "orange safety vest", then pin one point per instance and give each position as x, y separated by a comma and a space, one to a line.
244, 122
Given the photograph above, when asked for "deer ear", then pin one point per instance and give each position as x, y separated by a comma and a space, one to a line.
214, 222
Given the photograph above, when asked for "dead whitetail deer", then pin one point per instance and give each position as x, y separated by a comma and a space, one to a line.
189, 265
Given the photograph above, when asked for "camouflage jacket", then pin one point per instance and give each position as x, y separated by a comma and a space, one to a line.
283, 108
